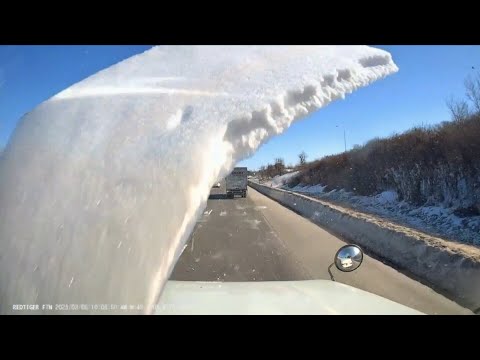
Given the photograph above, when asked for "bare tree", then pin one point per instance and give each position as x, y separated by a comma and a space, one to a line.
303, 158
279, 166
261, 172
458, 109
472, 86
270, 170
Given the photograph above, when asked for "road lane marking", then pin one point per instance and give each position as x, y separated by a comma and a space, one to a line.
183, 249
193, 243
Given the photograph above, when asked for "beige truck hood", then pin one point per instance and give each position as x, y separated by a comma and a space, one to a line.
323, 297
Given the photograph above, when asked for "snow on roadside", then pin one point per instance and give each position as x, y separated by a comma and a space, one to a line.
435, 220
280, 180
315, 189
130, 154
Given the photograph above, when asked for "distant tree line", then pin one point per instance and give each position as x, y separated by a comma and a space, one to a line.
438, 163
271, 170
426, 163
278, 167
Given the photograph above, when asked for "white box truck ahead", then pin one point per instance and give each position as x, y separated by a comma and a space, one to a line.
236, 182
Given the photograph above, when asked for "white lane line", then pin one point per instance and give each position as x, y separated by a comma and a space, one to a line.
193, 243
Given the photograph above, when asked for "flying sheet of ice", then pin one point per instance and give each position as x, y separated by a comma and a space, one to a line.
101, 185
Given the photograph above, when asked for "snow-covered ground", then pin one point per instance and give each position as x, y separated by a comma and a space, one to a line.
102, 184
435, 220
280, 180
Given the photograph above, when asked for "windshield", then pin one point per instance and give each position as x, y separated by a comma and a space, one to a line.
128, 173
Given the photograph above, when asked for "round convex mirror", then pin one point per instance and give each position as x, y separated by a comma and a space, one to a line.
348, 258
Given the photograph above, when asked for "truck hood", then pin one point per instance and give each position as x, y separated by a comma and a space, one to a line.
322, 297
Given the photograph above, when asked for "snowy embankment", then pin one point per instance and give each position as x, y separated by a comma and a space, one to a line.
102, 184
280, 180
435, 220
447, 266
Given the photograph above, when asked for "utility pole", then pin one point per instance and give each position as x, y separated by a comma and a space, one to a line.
345, 140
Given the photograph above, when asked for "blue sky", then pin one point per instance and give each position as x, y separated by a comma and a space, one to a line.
415, 95
30, 75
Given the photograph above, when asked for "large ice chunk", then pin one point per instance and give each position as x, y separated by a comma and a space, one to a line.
101, 185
